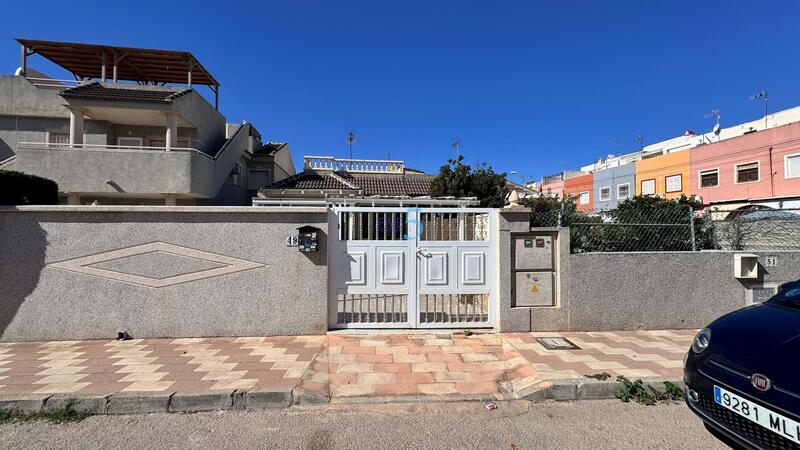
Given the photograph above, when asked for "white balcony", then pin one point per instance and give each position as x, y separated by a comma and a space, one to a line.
354, 165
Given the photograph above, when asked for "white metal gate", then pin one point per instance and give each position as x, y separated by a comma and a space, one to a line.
411, 267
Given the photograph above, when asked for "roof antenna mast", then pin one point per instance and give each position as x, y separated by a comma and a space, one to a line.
350, 138
457, 146
762, 95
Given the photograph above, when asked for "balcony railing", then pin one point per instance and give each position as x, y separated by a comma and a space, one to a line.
104, 147
353, 165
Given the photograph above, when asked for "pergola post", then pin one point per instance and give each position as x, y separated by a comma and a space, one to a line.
24, 61
103, 67
190, 66
116, 61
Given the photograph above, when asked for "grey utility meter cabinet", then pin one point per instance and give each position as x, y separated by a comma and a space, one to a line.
533, 270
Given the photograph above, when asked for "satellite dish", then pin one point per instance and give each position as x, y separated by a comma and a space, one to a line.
716, 129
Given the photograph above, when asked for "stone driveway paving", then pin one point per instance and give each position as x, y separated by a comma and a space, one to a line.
341, 367
425, 364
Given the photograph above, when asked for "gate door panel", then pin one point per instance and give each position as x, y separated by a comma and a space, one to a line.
454, 257
409, 267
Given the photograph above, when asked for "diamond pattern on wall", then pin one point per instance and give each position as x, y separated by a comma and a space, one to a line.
204, 265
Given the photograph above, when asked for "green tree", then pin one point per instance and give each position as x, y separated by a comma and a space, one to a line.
457, 179
654, 224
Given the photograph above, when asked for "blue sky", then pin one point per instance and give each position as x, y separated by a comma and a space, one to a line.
530, 86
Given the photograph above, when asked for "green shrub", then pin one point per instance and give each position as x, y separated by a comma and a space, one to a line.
17, 188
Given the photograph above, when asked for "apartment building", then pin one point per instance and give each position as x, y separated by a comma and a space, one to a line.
760, 168
131, 128
613, 185
757, 162
581, 188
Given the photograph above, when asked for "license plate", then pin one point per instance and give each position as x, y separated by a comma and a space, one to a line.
771, 420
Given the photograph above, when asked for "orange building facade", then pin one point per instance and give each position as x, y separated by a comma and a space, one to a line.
665, 175
582, 189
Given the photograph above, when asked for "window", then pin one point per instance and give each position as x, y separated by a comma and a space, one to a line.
792, 166
605, 194
674, 183
129, 141
56, 138
584, 198
623, 191
747, 173
237, 174
649, 187
258, 179
709, 178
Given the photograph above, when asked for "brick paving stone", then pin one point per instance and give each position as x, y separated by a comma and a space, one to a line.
337, 365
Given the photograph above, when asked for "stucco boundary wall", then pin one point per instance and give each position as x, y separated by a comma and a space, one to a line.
87, 272
633, 291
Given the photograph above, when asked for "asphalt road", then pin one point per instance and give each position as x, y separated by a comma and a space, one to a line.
594, 425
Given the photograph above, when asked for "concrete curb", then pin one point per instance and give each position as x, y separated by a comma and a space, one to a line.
26, 403
154, 402
591, 389
201, 401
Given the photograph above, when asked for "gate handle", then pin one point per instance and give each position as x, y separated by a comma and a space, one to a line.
421, 252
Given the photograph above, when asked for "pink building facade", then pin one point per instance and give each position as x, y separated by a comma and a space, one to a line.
755, 167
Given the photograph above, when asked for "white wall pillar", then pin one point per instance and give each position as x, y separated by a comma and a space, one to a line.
172, 130
75, 127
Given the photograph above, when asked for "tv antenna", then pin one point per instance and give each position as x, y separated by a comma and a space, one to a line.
350, 138
716, 130
457, 146
762, 95
639, 139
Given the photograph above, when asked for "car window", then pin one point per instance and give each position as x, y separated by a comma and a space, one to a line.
789, 293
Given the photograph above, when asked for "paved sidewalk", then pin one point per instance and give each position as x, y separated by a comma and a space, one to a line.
339, 367
155, 365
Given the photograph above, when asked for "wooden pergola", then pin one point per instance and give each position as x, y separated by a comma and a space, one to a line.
145, 66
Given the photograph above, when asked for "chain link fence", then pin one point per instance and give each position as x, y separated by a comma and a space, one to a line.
676, 229
753, 229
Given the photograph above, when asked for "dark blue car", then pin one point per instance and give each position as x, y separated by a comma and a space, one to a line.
742, 374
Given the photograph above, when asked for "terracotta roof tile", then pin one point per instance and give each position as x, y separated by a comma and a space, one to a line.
382, 185
125, 93
309, 181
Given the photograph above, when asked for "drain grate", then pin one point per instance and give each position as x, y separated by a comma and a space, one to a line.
557, 343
